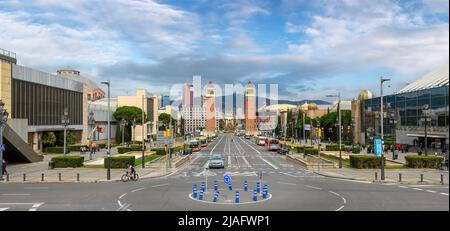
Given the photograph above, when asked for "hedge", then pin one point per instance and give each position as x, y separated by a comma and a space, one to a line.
59, 150
333, 147
67, 161
125, 149
120, 161
416, 161
311, 151
356, 150
365, 161
162, 150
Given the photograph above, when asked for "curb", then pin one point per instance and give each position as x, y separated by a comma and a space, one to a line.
381, 182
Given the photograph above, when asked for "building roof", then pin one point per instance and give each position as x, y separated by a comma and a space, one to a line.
436, 78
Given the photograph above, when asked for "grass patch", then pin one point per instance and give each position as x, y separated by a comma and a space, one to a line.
138, 162
345, 163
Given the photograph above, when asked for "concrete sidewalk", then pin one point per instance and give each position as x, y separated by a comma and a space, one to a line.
33, 174
408, 176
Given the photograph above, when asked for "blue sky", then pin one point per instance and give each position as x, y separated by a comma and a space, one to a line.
310, 48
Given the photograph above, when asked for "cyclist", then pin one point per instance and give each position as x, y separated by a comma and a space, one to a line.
131, 170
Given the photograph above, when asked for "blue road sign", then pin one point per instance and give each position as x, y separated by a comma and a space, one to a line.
378, 146
2, 147
226, 179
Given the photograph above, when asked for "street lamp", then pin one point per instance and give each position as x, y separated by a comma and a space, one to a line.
123, 123
425, 118
133, 124
65, 122
3, 119
382, 80
143, 140
339, 124
108, 171
91, 122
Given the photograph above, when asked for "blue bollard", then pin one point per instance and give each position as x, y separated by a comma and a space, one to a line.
203, 186
215, 197
216, 185
237, 196
194, 194
245, 186
258, 187
255, 195
200, 196
230, 187
265, 192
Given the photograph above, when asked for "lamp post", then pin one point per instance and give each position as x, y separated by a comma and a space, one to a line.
91, 122
425, 119
340, 126
382, 80
143, 138
133, 124
304, 130
3, 119
108, 171
65, 122
123, 123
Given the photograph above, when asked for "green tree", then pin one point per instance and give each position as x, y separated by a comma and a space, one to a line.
164, 119
128, 113
70, 138
49, 139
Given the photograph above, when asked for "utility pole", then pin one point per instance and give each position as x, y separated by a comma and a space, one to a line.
340, 130
304, 131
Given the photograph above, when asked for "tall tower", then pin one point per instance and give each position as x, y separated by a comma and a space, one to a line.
250, 111
210, 108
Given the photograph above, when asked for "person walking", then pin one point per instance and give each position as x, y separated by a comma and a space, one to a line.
4, 163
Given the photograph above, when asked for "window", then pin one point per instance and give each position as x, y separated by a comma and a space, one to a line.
411, 121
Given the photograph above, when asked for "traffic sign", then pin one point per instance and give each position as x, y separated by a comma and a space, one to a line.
226, 179
2, 147
378, 147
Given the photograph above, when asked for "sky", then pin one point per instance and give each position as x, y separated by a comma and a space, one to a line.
310, 48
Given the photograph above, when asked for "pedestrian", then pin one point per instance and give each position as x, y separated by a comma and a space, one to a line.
4, 172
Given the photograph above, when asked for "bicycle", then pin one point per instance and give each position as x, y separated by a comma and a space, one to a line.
127, 176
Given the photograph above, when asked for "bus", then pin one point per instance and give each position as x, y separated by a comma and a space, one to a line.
203, 141
194, 145
273, 145
261, 140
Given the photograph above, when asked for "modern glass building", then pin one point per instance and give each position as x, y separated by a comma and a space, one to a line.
407, 111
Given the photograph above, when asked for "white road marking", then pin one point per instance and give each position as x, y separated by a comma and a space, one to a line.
246, 162
3, 209
340, 208
158, 185
122, 195
212, 150
309, 186
229, 161
271, 165
401, 186
431, 191
418, 189
139, 189
16, 194
445, 194
286, 183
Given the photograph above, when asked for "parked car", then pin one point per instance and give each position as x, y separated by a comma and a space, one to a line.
283, 151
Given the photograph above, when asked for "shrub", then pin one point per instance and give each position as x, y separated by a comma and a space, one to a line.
58, 150
356, 150
67, 161
311, 151
75, 148
124, 149
120, 161
332, 147
162, 150
365, 161
101, 145
49, 139
416, 161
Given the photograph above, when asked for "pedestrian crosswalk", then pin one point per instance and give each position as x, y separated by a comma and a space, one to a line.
252, 172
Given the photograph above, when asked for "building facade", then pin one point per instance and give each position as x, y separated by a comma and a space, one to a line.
405, 112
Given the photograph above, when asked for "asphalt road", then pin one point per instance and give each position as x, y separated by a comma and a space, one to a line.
290, 188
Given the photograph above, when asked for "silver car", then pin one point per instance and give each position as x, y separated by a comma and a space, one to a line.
216, 161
